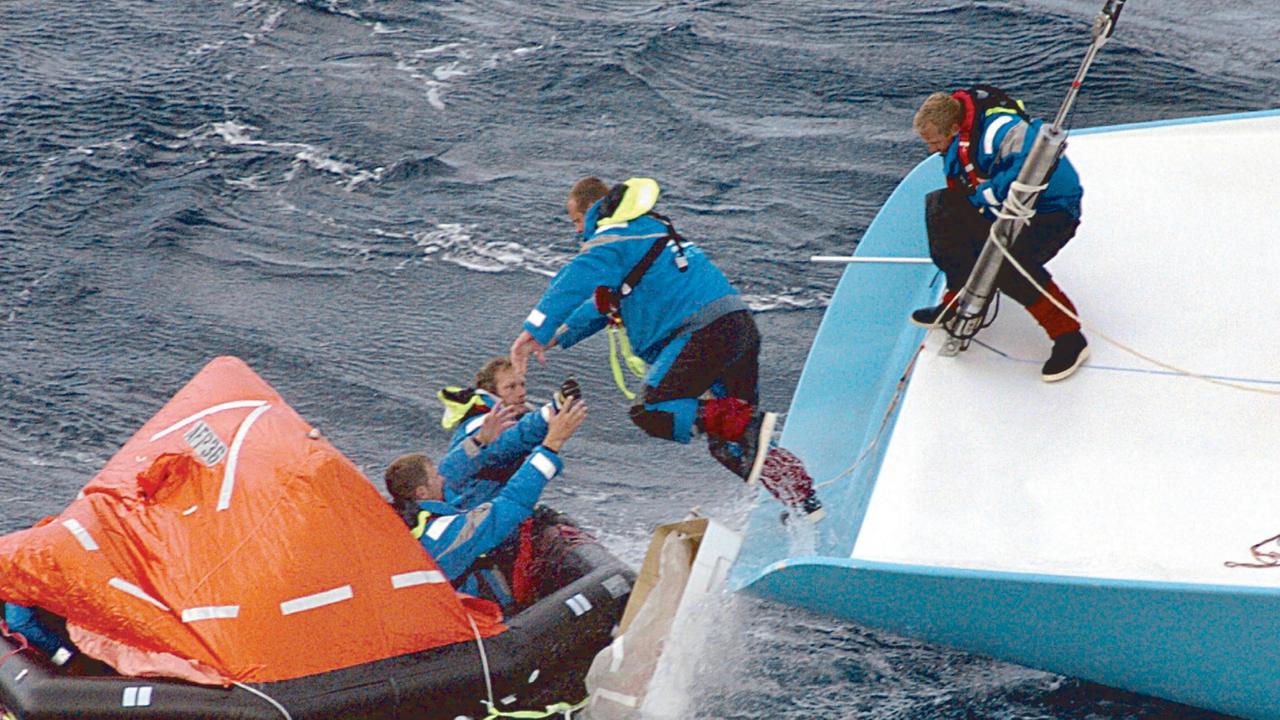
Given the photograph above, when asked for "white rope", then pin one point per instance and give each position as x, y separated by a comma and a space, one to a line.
484, 662
1132, 351
1013, 209
266, 697
1017, 210
1022, 213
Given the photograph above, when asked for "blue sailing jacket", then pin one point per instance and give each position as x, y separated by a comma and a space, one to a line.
473, 473
664, 304
1000, 152
24, 620
457, 539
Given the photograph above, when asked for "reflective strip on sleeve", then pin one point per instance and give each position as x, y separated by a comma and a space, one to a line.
536, 318
86, 540
989, 196
320, 599
618, 655
417, 577
474, 424
989, 136
616, 697
439, 525
544, 465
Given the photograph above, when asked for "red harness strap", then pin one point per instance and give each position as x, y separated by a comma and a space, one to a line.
971, 177
523, 581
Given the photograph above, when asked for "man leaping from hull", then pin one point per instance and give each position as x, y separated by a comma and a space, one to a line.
684, 319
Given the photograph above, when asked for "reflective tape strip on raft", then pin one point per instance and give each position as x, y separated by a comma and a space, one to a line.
320, 599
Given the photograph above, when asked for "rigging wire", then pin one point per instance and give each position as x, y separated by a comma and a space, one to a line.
1126, 348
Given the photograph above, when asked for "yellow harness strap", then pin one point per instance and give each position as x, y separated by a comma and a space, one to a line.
563, 709
421, 527
618, 341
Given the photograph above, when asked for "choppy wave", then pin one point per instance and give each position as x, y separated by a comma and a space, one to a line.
362, 199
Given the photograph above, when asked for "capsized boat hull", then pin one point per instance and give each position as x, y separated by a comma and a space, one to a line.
1085, 527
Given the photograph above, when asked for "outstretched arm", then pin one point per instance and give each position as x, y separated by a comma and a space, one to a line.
524, 346
575, 284
582, 324
457, 540
468, 457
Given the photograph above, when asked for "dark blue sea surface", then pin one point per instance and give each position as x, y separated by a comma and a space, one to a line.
363, 200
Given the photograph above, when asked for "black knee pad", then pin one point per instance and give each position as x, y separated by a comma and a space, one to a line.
654, 422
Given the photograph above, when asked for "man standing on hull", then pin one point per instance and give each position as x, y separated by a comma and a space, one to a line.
684, 320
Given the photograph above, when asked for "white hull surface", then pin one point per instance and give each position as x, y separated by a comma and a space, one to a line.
1085, 526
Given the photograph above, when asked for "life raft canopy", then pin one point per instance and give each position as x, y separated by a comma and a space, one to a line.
228, 541
634, 198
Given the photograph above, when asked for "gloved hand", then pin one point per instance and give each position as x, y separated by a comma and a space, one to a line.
569, 389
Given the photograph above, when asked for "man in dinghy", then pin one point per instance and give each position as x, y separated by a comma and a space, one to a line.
984, 137
696, 342
457, 539
47, 633
493, 429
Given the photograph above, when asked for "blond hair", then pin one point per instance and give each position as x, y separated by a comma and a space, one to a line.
939, 112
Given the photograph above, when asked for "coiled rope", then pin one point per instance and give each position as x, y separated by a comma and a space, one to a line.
1263, 558
566, 710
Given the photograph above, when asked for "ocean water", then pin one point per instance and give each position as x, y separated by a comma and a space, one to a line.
363, 200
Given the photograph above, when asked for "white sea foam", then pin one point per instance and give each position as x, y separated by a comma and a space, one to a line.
462, 244
456, 243
435, 50
788, 299
441, 66
206, 48
239, 135
252, 182
321, 160
449, 71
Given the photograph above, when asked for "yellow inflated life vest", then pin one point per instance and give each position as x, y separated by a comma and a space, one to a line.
458, 403
638, 197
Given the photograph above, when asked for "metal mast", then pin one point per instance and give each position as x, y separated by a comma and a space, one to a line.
1020, 204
